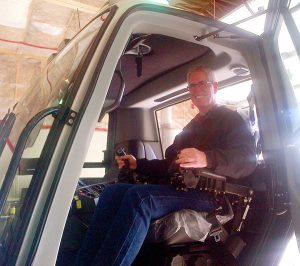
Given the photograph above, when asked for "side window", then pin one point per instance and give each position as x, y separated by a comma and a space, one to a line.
296, 16
28, 162
289, 57
93, 167
291, 62
172, 119
24, 183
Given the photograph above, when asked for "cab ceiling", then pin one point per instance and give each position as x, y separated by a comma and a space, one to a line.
32, 30
166, 55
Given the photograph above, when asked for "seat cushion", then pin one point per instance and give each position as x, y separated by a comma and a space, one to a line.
183, 226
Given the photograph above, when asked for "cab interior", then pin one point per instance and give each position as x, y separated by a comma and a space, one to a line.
147, 99
150, 78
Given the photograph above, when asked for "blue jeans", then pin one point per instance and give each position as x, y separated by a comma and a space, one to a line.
122, 219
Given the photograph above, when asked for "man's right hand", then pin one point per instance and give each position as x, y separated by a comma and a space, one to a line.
131, 159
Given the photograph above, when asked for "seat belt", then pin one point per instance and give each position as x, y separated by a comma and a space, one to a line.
217, 231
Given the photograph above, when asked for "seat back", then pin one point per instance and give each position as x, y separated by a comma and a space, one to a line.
138, 148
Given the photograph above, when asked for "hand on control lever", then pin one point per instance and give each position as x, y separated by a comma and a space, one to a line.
125, 161
181, 170
127, 165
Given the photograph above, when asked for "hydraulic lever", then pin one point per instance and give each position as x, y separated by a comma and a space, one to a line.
126, 174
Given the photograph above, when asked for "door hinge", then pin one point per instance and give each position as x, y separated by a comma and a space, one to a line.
66, 115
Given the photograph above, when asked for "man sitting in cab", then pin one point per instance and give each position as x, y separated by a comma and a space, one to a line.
216, 138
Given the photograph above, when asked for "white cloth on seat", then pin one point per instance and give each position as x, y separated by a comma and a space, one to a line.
192, 223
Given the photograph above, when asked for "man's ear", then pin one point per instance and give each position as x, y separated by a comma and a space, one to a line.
216, 86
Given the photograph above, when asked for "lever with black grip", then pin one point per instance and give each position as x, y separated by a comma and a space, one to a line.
126, 174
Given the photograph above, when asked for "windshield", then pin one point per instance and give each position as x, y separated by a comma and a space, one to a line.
47, 90
50, 88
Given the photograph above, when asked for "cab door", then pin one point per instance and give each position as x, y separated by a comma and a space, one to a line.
282, 48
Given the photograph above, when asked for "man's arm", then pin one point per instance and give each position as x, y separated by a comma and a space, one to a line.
233, 156
154, 169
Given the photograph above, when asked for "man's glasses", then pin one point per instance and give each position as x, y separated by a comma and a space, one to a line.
199, 85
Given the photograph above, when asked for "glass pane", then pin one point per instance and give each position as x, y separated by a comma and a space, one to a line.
49, 88
96, 150
255, 25
290, 59
294, 3
172, 119
292, 64
235, 96
12, 212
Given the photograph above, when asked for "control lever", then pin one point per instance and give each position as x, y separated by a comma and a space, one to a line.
121, 152
182, 178
126, 174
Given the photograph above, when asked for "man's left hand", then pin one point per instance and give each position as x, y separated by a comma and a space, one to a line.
191, 158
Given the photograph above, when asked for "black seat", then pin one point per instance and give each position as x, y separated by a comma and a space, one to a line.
138, 148
181, 230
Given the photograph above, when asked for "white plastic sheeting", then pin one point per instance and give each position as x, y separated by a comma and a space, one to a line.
194, 224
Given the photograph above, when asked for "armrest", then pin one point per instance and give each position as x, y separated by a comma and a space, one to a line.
218, 184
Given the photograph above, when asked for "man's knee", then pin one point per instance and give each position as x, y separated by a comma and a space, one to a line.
139, 194
114, 191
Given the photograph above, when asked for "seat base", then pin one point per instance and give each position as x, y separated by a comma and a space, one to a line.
192, 254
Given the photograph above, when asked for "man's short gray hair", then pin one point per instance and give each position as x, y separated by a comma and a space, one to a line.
206, 70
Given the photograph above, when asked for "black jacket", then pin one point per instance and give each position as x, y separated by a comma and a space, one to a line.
224, 137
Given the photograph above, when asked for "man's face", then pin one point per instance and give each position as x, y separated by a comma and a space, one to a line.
202, 90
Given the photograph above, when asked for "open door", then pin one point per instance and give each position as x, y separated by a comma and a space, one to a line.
282, 47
